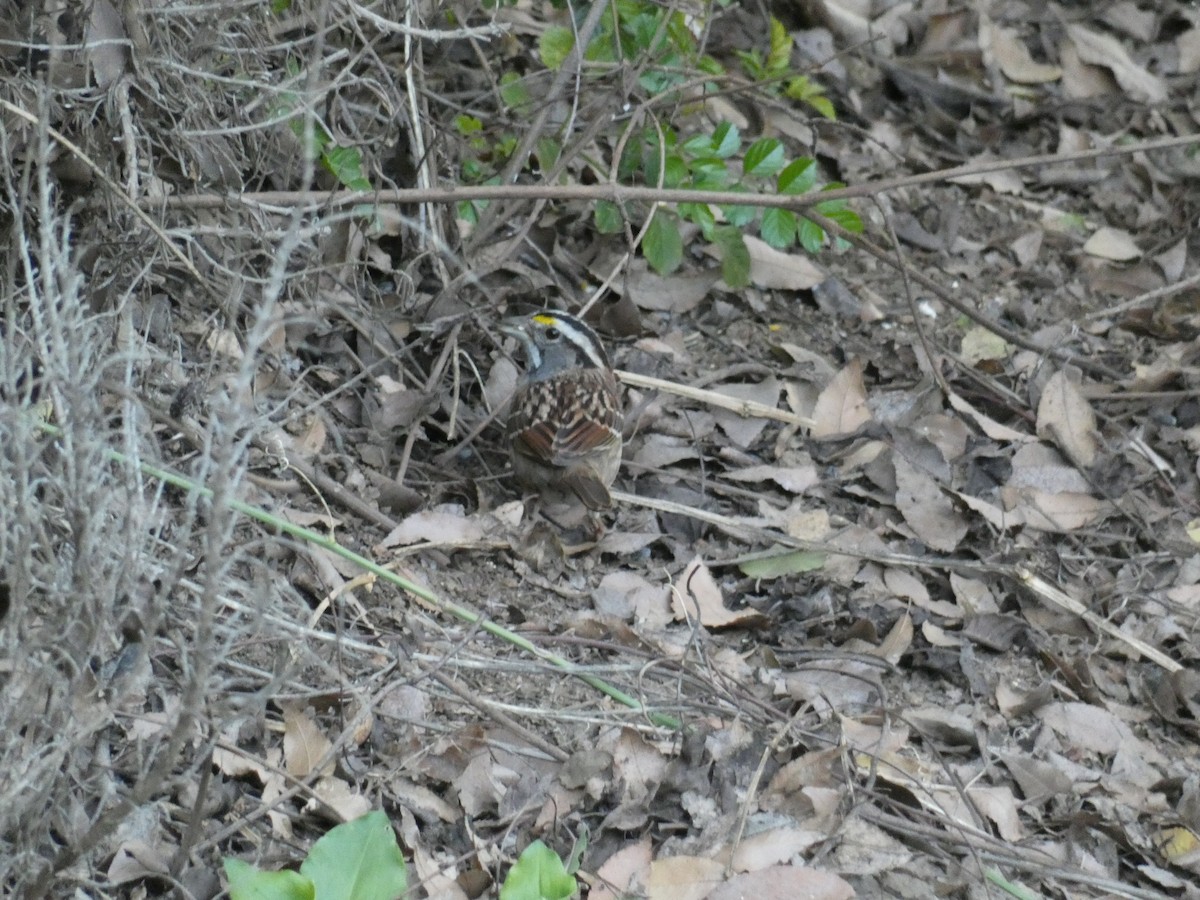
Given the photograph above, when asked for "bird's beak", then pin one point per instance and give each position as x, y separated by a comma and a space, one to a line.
514, 328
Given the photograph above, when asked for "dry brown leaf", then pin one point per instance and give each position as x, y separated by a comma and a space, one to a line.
625, 872
677, 293
866, 849
898, 640
1027, 246
1104, 50
842, 406
662, 450
697, 596
1081, 81
107, 43
773, 269
305, 745
990, 427
1059, 512
1038, 780
628, 596
684, 878
926, 507
904, 584
1013, 56
742, 430
333, 797
1112, 243
136, 860
773, 847
449, 525
793, 479
1043, 468
973, 595
436, 879
483, 783
1065, 417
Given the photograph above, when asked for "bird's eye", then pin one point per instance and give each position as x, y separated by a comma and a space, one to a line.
553, 334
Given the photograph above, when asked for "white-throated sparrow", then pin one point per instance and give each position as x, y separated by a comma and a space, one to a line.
565, 422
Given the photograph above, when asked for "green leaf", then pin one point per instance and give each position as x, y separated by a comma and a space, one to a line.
467, 125
578, 850
735, 257
538, 875
811, 236
346, 165
602, 48
505, 146
752, 62
710, 174
776, 566
514, 92
249, 883
763, 158
663, 246
680, 34
548, 150
739, 216
806, 91
779, 57
673, 173
358, 860
467, 211
726, 140
824, 106
847, 218
702, 215
555, 45
778, 227
607, 216
799, 177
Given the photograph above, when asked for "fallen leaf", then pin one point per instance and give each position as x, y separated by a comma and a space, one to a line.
697, 596
793, 479
773, 269
745, 430
1106, 51
1014, 58
785, 883
926, 508
842, 406
1112, 243
1065, 417
684, 878
1059, 513
623, 873
305, 746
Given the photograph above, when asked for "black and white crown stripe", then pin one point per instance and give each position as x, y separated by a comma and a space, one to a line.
576, 332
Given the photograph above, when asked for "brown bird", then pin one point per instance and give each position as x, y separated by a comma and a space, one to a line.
565, 423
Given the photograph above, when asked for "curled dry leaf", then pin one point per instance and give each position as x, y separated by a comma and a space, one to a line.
697, 596
1065, 417
1106, 51
1014, 58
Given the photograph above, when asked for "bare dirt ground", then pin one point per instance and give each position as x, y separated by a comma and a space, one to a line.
923, 624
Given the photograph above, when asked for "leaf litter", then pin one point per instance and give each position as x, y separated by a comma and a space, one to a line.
974, 649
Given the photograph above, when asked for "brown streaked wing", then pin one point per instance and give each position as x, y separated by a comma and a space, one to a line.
554, 431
